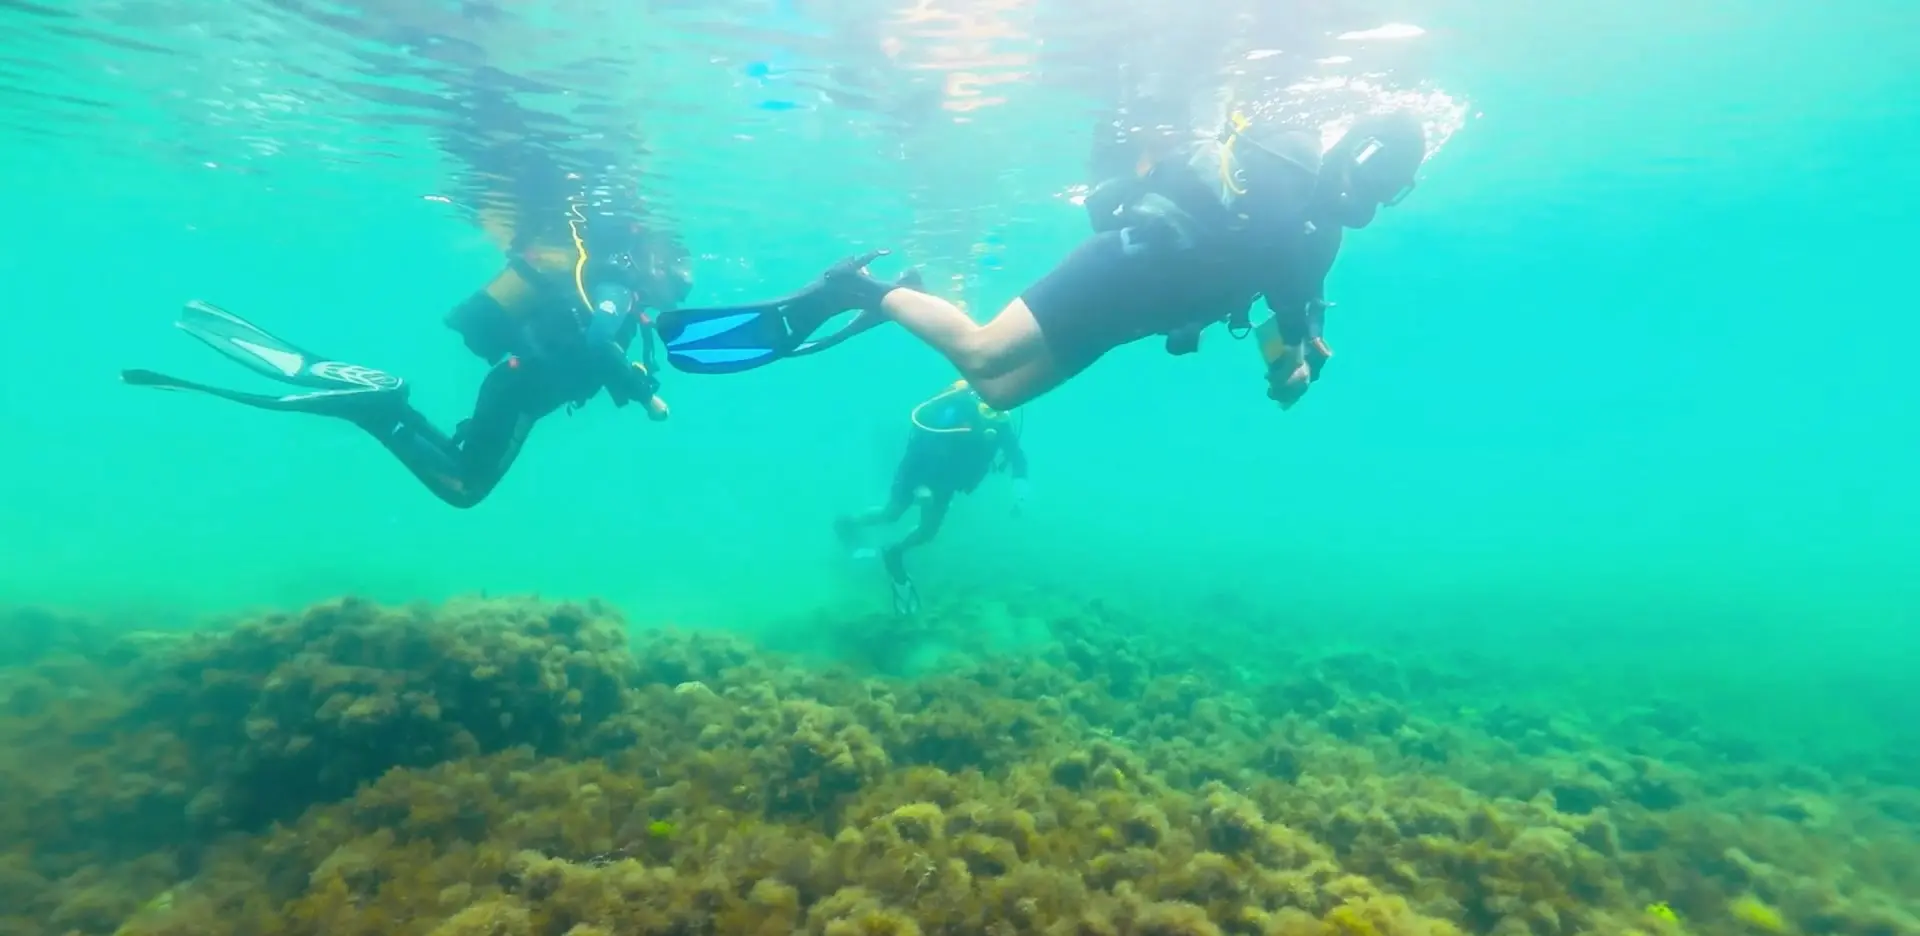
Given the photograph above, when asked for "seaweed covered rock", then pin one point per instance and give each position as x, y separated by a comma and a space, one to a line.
165, 742
290, 710
29, 635
524, 769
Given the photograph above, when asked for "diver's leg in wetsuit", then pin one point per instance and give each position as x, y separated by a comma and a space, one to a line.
899, 498
462, 471
933, 512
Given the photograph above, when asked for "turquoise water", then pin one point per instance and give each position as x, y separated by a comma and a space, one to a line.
1628, 374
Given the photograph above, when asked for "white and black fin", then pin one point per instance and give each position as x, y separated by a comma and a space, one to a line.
270, 356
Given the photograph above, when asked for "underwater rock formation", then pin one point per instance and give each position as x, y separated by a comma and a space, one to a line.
514, 768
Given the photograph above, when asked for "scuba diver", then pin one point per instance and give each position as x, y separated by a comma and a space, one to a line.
556, 324
956, 440
1177, 246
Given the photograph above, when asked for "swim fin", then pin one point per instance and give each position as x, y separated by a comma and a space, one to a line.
906, 597
731, 339
334, 388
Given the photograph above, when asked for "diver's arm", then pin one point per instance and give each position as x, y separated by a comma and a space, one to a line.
1318, 353
1296, 295
665, 281
1017, 467
1301, 324
1016, 456
614, 308
1298, 298
610, 326
649, 343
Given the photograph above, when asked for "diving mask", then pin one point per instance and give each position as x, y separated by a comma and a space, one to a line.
1375, 178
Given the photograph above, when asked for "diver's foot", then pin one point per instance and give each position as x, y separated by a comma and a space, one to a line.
896, 563
855, 265
906, 599
363, 406
854, 286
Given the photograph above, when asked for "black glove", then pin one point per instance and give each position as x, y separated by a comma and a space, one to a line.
632, 382
1183, 340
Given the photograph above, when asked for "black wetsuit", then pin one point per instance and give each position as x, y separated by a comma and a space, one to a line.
952, 448
548, 348
1176, 268
555, 338
951, 453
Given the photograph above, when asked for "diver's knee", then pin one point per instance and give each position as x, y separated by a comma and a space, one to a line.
997, 395
466, 493
461, 498
984, 355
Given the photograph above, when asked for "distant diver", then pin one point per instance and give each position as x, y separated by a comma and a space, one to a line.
954, 441
1177, 246
556, 324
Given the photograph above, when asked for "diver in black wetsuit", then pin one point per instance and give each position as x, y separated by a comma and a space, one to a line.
1178, 246
557, 325
956, 440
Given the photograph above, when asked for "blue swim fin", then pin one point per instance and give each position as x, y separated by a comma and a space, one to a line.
731, 339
